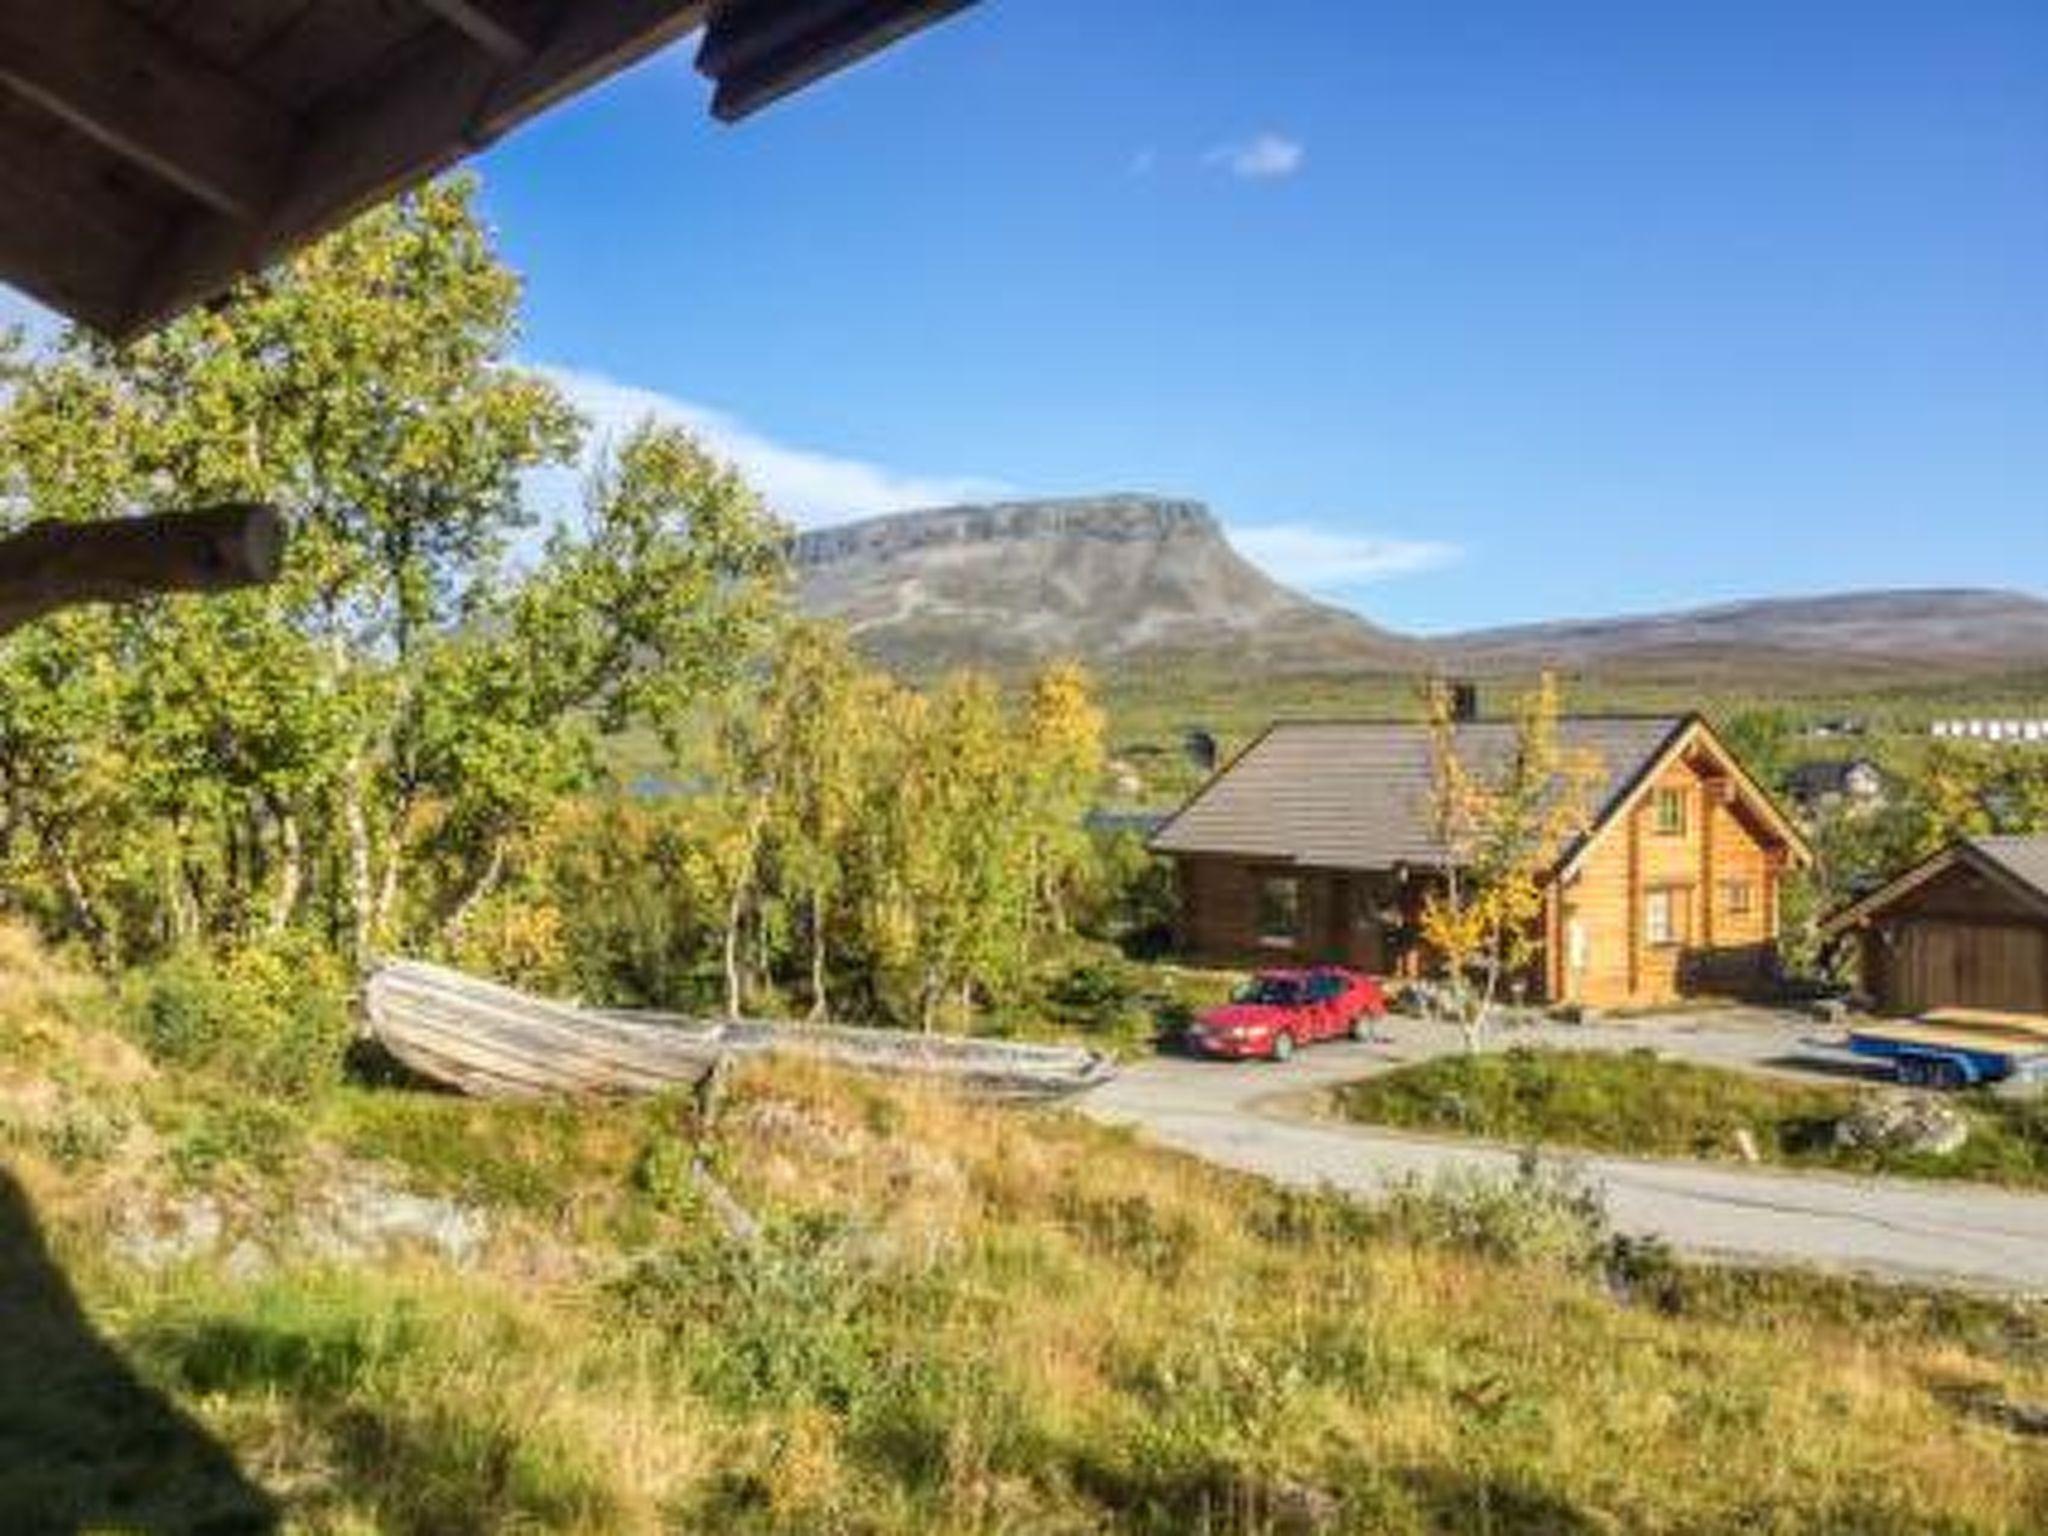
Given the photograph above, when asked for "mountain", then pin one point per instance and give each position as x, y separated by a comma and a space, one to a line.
1951, 631
1126, 582
1119, 581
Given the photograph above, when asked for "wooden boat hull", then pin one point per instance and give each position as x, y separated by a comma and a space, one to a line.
493, 1041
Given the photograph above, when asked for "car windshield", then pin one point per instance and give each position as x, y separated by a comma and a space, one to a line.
1270, 990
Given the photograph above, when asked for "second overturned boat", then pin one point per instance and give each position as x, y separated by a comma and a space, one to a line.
493, 1041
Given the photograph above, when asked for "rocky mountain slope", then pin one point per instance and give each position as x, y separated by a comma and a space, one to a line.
1116, 580
1128, 581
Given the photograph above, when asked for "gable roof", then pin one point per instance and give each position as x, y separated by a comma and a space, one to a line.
2018, 863
1355, 794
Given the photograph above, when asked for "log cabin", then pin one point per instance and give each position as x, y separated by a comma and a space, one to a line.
1966, 928
1315, 845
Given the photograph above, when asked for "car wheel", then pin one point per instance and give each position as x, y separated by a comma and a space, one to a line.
1283, 1046
1945, 1074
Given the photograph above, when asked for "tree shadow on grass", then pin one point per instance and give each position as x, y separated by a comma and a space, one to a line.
86, 1444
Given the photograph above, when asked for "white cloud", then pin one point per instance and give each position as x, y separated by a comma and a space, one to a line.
804, 485
1266, 156
1319, 560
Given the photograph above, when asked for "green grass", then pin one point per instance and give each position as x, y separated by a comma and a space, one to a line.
957, 1318
1644, 1105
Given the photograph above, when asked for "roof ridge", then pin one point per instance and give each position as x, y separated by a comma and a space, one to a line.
1614, 717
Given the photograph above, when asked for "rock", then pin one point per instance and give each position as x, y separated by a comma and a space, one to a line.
1305, 1508
1903, 1122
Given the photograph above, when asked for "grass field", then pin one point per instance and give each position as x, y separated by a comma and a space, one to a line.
1639, 1103
953, 1318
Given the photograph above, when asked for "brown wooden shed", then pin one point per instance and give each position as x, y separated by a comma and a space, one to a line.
1967, 928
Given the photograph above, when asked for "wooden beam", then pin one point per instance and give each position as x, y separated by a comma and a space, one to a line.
492, 25
440, 100
759, 54
73, 233
142, 93
52, 565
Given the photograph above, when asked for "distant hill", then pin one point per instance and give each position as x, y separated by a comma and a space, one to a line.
1949, 631
1118, 581
1128, 582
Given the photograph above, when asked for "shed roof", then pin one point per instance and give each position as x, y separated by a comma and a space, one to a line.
2018, 862
2023, 858
153, 151
1355, 795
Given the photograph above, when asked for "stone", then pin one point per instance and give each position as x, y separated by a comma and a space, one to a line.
1903, 1122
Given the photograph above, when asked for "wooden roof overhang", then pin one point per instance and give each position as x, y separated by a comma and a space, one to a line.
1693, 736
152, 152
1964, 853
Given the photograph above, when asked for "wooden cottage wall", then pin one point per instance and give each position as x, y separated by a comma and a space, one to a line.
1718, 948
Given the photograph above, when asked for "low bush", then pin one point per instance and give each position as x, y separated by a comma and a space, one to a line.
272, 1016
1544, 1213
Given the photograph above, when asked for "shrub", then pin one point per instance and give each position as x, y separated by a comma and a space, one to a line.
271, 1016
1544, 1213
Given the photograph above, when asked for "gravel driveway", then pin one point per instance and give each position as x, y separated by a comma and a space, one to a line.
1257, 1117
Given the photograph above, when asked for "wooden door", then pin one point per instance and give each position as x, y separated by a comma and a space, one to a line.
1970, 965
1361, 940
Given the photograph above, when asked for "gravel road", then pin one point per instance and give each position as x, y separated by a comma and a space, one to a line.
1259, 1118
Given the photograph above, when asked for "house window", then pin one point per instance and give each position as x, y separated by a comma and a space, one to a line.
1738, 898
1669, 812
1664, 917
1279, 911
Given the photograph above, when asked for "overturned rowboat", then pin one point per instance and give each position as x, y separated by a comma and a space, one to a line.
493, 1041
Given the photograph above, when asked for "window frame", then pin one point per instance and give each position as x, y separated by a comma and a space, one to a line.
1677, 919
1267, 935
1674, 798
1738, 898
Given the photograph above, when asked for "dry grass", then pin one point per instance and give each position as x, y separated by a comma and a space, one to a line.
962, 1318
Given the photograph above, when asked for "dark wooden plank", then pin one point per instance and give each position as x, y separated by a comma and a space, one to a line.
438, 99
759, 75
509, 32
144, 94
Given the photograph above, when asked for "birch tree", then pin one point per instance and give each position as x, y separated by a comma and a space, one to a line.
1500, 826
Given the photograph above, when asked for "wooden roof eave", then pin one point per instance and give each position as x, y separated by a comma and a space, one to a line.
1963, 852
150, 158
226, 165
1692, 731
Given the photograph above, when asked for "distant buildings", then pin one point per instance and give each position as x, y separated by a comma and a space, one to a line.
1854, 783
2014, 732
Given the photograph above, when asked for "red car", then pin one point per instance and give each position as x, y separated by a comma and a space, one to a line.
1278, 1010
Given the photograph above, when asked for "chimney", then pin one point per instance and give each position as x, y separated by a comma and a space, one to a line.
1464, 701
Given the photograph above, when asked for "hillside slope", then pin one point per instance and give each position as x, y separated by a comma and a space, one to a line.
1115, 580
1129, 583
1956, 630
369, 1309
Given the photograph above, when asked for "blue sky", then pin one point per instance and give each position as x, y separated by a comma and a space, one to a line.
1461, 313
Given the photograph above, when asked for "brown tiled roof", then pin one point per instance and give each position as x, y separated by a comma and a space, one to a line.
2024, 858
1355, 795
